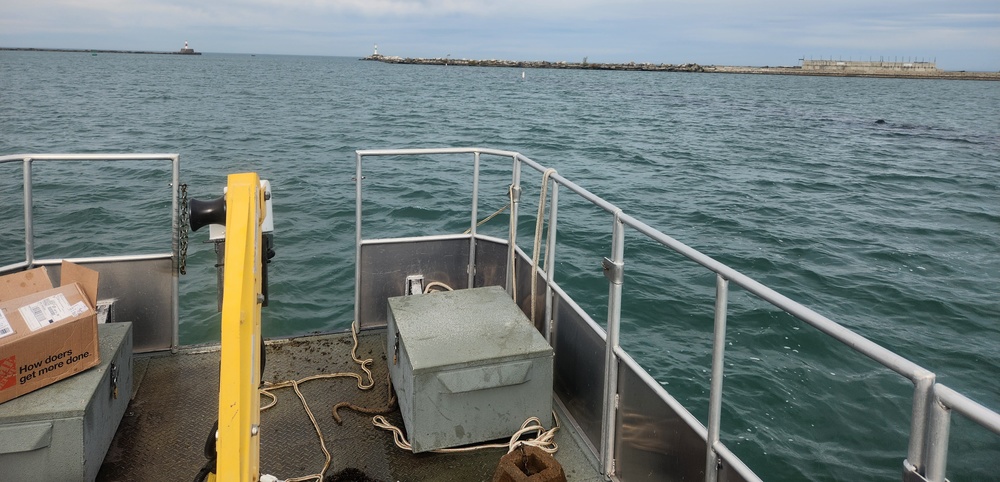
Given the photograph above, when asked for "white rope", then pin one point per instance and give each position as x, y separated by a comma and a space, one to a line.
488, 218
294, 384
512, 228
543, 439
437, 284
536, 249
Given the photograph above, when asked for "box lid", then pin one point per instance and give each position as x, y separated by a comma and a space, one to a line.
85, 277
465, 327
42, 306
24, 283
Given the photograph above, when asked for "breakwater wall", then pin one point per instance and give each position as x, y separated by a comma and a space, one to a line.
860, 72
539, 64
812, 70
869, 66
94, 51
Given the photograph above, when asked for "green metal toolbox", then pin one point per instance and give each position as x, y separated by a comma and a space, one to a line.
467, 367
63, 431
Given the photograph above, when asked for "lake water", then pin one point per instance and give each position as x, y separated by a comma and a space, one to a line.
892, 229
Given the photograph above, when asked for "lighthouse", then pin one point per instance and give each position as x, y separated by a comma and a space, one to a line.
188, 50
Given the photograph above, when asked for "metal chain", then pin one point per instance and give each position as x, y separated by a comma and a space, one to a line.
182, 229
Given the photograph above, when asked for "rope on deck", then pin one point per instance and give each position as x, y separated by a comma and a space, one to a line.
543, 439
294, 384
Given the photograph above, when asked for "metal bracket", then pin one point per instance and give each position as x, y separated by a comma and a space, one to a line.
414, 285
515, 193
614, 272
114, 381
395, 350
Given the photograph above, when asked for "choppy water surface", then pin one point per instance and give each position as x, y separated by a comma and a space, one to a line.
890, 228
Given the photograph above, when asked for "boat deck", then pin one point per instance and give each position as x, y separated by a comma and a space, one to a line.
174, 405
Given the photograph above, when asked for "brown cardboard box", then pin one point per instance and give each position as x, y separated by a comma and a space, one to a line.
46, 333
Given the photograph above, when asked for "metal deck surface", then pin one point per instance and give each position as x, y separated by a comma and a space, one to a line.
163, 433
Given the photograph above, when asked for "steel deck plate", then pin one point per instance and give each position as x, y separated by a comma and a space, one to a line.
163, 433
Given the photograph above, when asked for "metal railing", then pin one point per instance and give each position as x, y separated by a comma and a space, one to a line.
932, 401
27, 160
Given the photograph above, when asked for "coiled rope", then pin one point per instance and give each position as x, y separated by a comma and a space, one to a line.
436, 284
543, 439
294, 384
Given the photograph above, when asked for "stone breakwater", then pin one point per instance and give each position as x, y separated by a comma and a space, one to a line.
689, 67
93, 51
539, 64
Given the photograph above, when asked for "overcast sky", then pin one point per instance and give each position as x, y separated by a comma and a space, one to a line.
959, 34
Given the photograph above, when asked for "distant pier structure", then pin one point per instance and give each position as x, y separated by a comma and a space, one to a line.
379, 57
869, 67
188, 50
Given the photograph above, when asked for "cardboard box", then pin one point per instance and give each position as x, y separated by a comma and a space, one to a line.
46, 333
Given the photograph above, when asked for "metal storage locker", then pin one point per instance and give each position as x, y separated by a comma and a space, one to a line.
63, 431
467, 367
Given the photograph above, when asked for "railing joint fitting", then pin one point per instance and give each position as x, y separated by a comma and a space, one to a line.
614, 271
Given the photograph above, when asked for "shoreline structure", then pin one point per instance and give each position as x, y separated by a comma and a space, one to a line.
818, 68
821, 68
184, 51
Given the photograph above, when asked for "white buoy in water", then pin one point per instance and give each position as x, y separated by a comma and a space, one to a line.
522, 74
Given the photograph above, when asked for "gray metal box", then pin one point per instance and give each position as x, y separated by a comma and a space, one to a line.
467, 367
63, 431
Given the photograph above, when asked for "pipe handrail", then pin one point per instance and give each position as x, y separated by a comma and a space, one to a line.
88, 157
857, 342
29, 242
925, 438
969, 408
876, 352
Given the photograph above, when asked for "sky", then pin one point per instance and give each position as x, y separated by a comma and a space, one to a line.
957, 34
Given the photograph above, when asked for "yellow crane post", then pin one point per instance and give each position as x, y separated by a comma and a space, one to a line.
238, 443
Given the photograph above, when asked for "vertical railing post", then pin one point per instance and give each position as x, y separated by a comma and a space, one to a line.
718, 363
938, 428
613, 270
29, 230
175, 223
515, 198
922, 398
550, 260
357, 242
475, 215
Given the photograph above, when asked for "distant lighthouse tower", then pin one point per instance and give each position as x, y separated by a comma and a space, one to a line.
188, 50
376, 50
